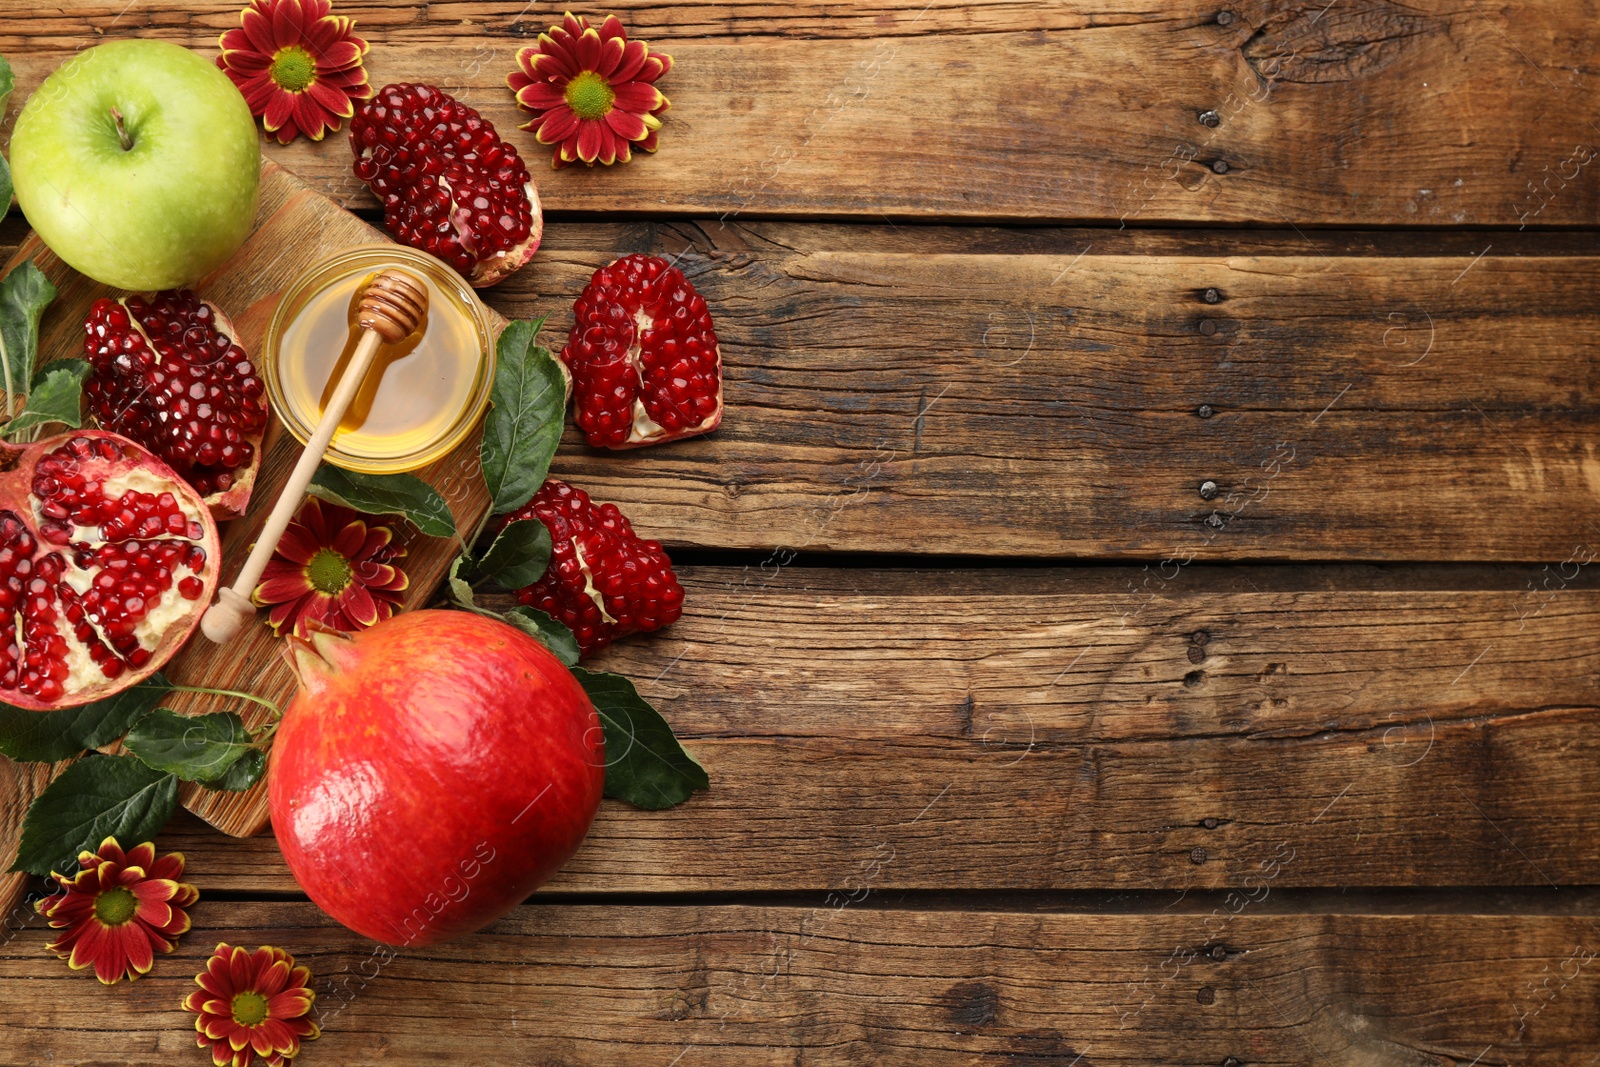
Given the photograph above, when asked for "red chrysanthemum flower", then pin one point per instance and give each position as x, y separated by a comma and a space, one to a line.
252, 1004
332, 567
590, 91
119, 910
298, 66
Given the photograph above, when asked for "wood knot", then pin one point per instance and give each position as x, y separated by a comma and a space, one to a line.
1313, 43
394, 305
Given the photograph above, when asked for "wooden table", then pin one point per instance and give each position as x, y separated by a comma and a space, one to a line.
1139, 603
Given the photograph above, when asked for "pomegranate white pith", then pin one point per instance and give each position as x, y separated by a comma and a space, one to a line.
107, 561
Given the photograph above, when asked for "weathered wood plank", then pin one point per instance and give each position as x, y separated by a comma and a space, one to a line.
835, 984
1064, 404
1354, 113
1048, 729
1058, 398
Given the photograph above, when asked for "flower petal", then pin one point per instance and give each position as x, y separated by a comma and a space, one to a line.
633, 56
588, 49
559, 124
540, 96
638, 97
624, 124
590, 140
350, 539
357, 604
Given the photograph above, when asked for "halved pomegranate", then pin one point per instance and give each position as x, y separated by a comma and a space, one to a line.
107, 561
449, 185
169, 373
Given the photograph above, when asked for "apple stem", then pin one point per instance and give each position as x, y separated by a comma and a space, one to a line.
122, 131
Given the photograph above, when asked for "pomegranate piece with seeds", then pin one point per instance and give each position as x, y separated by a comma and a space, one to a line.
449, 185
603, 581
107, 561
168, 372
643, 355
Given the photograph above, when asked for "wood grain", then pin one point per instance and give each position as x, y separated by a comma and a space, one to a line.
295, 227
840, 984
1071, 404
1047, 729
1362, 112
1027, 399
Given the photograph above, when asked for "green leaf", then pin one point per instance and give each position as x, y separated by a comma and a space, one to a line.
645, 764
385, 494
196, 748
95, 798
549, 632
8, 82
519, 554
245, 772
460, 588
48, 736
56, 395
24, 294
523, 427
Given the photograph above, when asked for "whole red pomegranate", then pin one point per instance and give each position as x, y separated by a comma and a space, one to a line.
431, 773
107, 561
169, 373
449, 185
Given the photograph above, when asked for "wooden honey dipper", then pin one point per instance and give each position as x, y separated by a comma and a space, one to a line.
391, 308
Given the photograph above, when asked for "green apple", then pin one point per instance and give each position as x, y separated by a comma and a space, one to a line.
137, 162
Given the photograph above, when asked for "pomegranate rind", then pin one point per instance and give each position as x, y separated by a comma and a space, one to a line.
17, 471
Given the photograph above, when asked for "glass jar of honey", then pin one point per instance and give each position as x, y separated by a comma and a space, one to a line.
421, 396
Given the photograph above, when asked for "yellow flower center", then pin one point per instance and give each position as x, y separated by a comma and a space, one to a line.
115, 906
293, 69
249, 1008
590, 96
328, 572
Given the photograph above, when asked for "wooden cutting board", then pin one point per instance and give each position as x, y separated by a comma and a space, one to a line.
295, 227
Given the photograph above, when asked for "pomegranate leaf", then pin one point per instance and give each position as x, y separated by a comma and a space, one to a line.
24, 294
8, 82
519, 555
645, 764
549, 632
460, 588
385, 494
245, 772
48, 736
95, 798
527, 413
56, 395
196, 748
